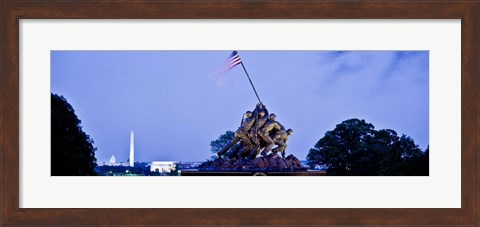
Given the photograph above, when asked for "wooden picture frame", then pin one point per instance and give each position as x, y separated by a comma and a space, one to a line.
12, 11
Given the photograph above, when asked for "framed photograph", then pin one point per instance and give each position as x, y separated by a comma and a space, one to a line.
92, 51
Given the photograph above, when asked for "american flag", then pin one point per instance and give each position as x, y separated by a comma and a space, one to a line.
232, 61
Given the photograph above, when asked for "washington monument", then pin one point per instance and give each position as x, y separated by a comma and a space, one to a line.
131, 148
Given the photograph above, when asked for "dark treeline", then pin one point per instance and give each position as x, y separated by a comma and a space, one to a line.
355, 148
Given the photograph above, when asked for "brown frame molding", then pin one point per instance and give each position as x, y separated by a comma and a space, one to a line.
12, 11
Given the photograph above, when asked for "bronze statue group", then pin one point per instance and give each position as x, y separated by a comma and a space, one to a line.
258, 133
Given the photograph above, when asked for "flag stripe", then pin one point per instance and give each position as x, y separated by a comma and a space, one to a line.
233, 60
234, 63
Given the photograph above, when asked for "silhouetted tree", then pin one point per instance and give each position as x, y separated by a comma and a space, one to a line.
355, 148
73, 153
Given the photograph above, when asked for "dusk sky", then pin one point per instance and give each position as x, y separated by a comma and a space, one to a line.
176, 103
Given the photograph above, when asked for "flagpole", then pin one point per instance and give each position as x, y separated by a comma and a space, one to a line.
251, 82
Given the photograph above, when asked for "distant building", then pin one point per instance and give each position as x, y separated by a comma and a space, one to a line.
162, 166
113, 160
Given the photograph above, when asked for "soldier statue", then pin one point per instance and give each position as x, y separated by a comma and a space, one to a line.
261, 116
242, 134
270, 127
280, 138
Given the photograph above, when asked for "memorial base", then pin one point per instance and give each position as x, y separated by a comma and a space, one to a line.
193, 172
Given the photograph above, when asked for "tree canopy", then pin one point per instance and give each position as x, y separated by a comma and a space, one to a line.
73, 153
354, 147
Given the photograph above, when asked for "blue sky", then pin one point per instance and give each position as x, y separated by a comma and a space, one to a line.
176, 103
